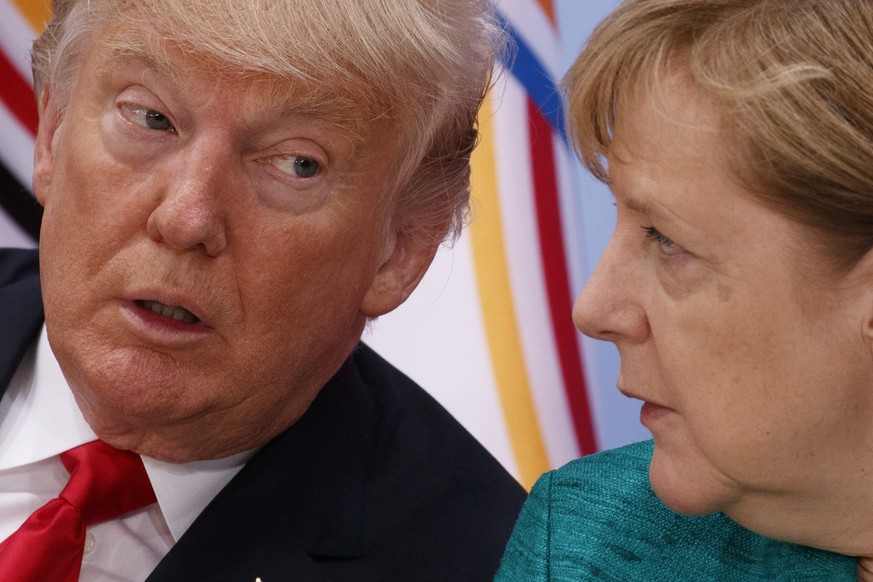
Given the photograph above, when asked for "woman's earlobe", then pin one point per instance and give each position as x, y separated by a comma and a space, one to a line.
863, 272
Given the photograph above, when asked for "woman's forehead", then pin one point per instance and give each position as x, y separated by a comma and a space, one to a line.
666, 110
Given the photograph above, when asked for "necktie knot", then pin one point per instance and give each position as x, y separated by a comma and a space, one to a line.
104, 484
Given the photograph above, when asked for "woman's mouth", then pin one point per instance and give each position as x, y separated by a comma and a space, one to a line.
651, 413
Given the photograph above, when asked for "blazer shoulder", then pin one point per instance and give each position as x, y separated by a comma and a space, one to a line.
626, 466
411, 420
22, 315
431, 483
561, 503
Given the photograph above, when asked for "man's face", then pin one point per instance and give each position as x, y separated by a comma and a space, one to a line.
209, 256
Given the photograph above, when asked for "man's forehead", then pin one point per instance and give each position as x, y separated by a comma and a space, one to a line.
118, 47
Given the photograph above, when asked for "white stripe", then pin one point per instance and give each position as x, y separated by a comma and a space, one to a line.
16, 147
530, 300
16, 38
570, 215
534, 27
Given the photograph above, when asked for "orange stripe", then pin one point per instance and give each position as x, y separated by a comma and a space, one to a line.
36, 12
549, 10
501, 328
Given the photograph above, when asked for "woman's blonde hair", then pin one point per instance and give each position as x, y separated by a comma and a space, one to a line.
794, 81
422, 66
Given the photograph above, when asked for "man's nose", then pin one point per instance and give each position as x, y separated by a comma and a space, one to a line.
191, 212
609, 307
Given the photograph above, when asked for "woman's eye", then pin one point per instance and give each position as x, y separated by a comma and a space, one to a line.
666, 244
298, 166
149, 118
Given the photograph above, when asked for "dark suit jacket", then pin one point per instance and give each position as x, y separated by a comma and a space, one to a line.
375, 482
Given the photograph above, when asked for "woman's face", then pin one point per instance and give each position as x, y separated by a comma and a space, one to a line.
753, 359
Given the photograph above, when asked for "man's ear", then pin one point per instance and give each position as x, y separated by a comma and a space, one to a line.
43, 155
399, 274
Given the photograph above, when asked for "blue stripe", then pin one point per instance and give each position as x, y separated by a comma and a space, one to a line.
530, 72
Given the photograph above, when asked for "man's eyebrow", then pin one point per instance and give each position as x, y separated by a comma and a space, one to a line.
148, 56
336, 109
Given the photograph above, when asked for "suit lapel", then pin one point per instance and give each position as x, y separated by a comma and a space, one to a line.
21, 311
298, 500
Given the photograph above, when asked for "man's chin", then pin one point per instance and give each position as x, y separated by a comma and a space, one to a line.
171, 444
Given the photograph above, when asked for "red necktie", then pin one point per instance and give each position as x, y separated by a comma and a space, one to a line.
104, 484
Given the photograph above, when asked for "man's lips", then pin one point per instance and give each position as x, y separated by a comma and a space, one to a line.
171, 311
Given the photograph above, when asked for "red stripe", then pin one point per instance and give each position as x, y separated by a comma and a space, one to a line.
17, 94
556, 275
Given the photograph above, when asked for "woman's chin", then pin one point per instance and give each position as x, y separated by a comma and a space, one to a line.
685, 486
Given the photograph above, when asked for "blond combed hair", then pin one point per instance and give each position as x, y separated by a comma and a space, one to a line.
793, 81
423, 66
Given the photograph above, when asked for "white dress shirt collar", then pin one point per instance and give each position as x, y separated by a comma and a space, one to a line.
39, 419
184, 491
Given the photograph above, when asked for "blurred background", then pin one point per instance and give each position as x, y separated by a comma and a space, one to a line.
489, 332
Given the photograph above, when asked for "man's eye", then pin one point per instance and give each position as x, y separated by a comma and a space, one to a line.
298, 166
150, 119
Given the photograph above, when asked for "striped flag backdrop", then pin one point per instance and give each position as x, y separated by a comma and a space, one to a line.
19, 22
489, 331
521, 252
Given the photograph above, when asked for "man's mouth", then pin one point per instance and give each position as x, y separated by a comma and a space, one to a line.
171, 311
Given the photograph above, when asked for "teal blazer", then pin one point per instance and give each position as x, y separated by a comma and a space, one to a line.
597, 518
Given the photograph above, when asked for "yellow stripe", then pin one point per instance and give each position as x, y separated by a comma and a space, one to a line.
36, 12
504, 344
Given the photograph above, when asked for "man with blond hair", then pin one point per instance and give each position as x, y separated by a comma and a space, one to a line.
231, 191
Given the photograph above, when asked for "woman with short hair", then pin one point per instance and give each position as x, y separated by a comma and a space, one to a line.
737, 139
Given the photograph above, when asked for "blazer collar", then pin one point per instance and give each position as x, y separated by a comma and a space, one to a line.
300, 497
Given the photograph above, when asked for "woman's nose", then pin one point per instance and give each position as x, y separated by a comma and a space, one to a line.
610, 306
